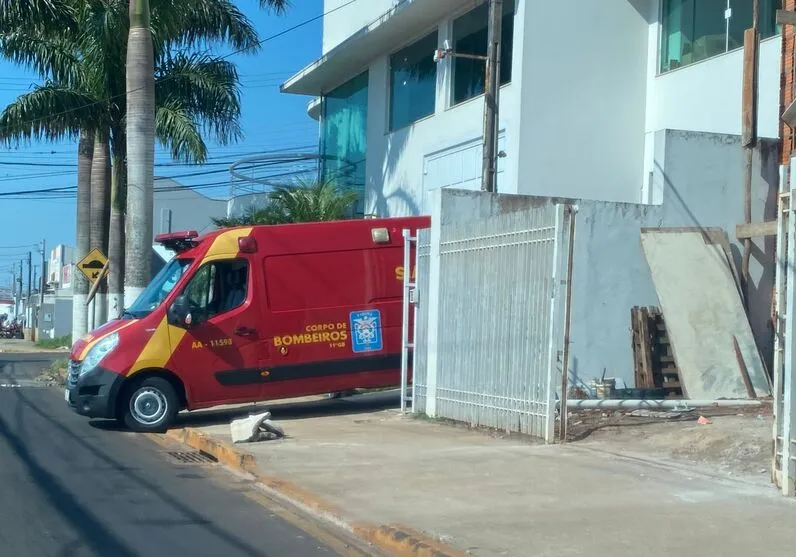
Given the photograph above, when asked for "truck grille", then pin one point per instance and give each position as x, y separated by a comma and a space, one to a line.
74, 372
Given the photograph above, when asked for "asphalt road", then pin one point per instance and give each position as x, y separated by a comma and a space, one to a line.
74, 488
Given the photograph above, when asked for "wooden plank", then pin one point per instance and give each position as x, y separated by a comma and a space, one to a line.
748, 104
786, 17
756, 229
646, 348
750, 390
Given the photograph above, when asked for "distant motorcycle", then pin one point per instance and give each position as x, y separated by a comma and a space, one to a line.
12, 331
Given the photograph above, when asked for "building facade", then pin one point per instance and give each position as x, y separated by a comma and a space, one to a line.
581, 113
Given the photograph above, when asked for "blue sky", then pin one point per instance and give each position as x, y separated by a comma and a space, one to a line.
271, 121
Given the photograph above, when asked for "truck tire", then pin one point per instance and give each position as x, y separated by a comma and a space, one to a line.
150, 405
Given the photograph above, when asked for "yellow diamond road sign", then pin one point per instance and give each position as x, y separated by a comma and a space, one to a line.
92, 264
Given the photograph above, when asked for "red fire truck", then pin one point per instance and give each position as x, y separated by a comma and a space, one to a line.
250, 314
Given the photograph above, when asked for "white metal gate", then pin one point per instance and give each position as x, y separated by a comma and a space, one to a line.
489, 321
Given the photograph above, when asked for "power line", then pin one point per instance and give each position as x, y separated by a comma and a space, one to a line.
233, 53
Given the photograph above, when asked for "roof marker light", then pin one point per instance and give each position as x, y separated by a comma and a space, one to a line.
247, 244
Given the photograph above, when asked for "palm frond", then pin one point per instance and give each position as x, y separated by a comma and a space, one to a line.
176, 130
312, 202
51, 112
42, 15
279, 6
206, 87
53, 58
180, 23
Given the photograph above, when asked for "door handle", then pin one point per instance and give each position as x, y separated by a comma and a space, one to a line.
245, 331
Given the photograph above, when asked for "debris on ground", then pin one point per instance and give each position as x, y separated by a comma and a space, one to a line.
704, 421
664, 415
55, 374
254, 428
737, 443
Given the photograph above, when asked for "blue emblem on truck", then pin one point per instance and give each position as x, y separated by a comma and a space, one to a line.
366, 331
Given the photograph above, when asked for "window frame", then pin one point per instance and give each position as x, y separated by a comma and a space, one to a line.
212, 267
435, 30
768, 30
451, 75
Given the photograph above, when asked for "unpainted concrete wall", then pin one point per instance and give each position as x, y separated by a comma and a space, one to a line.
700, 183
700, 177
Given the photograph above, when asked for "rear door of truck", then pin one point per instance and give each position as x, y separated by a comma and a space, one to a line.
334, 316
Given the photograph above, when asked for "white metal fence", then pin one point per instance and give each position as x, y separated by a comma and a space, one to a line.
420, 356
489, 357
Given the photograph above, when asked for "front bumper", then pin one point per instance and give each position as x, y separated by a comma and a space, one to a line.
94, 394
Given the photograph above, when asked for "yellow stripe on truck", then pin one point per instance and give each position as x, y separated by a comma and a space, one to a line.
157, 351
91, 344
226, 244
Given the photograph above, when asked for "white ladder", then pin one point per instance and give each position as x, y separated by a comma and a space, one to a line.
409, 304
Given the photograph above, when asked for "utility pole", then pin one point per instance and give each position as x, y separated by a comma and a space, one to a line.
20, 286
491, 96
28, 309
43, 282
749, 132
43, 276
14, 289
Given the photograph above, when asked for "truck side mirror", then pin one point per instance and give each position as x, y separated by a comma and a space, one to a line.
179, 313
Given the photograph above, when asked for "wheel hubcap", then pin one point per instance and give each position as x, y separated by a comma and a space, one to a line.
148, 406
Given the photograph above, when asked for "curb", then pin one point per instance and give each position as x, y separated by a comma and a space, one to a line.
396, 540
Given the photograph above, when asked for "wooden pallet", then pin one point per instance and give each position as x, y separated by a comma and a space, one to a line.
653, 358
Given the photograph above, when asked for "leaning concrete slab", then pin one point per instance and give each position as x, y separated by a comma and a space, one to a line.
704, 313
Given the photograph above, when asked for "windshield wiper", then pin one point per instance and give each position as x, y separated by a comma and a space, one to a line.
127, 314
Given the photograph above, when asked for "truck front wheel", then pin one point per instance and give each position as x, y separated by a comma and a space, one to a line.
151, 405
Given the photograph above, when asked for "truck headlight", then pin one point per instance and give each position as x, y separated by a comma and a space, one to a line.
98, 352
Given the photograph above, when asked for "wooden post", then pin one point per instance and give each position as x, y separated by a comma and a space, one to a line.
749, 134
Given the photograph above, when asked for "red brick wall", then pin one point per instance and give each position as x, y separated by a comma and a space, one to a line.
787, 83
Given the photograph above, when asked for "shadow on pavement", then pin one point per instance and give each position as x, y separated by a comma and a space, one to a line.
107, 425
93, 531
286, 411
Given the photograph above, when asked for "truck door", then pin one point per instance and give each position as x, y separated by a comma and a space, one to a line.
222, 348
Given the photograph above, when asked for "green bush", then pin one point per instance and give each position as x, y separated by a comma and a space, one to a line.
56, 342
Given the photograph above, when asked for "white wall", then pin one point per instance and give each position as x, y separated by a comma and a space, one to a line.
397, 162
706, 96
580, 130
583, 99
346, 21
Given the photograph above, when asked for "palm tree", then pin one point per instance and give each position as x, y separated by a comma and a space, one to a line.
85, 151
304, 202
141, 142
100, 214
140, 149
84, 63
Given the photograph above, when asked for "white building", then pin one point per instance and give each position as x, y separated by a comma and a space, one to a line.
590, 88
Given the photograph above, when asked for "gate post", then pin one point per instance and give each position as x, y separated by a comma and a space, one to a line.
788, 419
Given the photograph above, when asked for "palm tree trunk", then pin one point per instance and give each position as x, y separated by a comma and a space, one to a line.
140, 151
116, 241
100, 215
85, 151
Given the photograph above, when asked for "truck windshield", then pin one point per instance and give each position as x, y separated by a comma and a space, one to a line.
157, 290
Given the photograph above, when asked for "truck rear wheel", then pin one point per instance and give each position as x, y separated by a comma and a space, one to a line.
151, 405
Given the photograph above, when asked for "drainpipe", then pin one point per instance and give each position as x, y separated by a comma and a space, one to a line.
632, 404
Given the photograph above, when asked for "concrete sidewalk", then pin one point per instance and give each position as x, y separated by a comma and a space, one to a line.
26, 347
492, 496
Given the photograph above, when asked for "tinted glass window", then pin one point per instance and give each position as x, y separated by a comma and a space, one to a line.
471, 36
413, 82
218, 287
